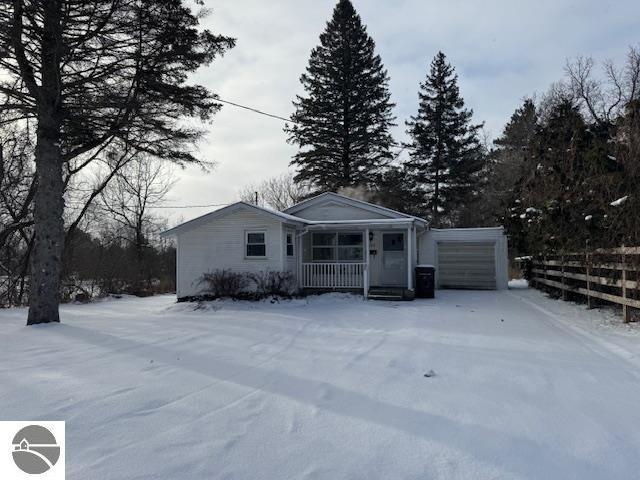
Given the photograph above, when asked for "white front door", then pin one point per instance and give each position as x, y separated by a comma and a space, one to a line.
394, 260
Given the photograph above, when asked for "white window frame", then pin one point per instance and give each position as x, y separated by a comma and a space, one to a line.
246, 244
290, 235
335, 247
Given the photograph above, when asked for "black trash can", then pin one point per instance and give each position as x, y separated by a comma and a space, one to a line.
425, 281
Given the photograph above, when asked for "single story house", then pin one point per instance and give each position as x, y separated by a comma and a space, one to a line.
334, 242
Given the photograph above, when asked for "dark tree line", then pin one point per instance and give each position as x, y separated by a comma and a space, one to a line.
572, 162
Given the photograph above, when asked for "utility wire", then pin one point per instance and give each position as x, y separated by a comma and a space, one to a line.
192, 206
278, 117
80, 204
255, 110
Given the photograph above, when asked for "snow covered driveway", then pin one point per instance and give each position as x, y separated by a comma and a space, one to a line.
331, 388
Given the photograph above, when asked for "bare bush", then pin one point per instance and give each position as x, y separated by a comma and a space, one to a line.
224, 283
276, 283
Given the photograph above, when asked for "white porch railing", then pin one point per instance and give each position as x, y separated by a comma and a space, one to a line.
333, 275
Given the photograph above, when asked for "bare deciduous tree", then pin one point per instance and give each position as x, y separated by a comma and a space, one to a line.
604, 97
279, 193
128, 201
16, 192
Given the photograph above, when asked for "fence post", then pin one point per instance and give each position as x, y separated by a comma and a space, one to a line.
626, 314
588, 267
564, 287
534, 259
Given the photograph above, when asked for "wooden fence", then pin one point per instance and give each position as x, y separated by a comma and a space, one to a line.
609, 275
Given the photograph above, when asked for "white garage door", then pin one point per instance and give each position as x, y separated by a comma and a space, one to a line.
466, 265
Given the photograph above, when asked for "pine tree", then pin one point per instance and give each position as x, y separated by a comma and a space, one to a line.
511, 157
341, 124
520, 129
446, 153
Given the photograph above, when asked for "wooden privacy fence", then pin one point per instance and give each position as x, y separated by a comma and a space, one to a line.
610, 275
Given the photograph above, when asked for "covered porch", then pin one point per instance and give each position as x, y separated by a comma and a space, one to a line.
358, 255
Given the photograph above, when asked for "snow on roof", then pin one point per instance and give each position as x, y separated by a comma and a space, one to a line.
284, 216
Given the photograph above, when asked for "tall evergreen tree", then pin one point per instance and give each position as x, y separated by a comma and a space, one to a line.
341, 124
446, 153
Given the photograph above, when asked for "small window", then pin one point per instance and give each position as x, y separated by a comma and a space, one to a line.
289, 244
393, 242
256, 245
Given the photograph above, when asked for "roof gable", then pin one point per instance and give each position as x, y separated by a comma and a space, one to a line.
228, 210
327, 200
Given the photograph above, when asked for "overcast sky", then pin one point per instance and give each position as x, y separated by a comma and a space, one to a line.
503, 50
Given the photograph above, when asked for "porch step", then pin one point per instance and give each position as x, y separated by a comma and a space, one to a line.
385, 297
393, 294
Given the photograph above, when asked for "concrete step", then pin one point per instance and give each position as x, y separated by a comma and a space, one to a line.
385, 297
394, 294
390, 293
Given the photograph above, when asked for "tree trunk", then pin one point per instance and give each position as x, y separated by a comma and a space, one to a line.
46, 257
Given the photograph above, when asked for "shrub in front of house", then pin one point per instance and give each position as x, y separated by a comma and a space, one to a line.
273, 283
226, 283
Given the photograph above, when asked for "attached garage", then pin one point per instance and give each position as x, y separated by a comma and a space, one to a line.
467, 258
466, 265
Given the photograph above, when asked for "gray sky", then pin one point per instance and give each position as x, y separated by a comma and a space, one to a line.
502, 51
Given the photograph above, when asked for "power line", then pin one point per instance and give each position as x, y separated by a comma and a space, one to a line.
278, 117
251, 109
80, 204
255, 110
192, 206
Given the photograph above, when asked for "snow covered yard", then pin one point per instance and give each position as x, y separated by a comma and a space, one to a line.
332, 387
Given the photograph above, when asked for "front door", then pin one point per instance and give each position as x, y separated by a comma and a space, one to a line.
394, 260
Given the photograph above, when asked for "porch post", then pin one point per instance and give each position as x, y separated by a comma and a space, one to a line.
409, 257
366, 263
298, 247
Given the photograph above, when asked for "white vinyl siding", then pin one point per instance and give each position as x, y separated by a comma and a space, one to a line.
221, 244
